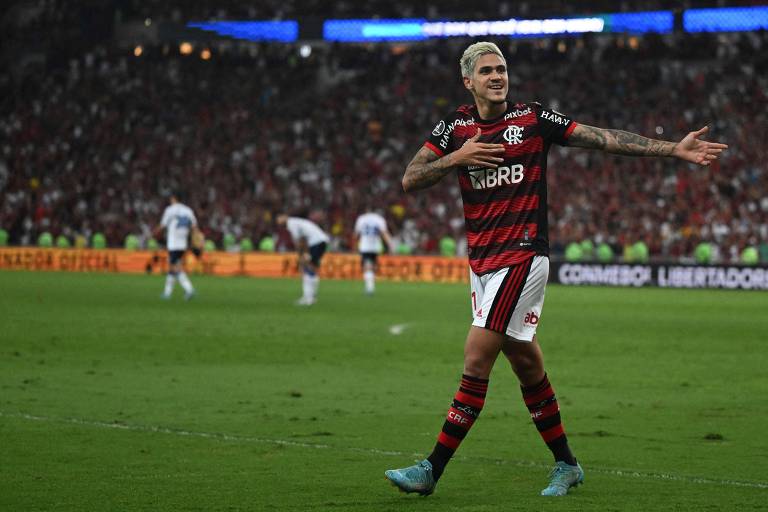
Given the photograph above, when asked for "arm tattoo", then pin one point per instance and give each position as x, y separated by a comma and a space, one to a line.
425, 170
619, 142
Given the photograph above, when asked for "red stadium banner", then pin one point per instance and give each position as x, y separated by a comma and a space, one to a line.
253, 264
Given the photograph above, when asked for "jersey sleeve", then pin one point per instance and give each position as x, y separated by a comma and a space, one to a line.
554, 126
440, 141
166, 218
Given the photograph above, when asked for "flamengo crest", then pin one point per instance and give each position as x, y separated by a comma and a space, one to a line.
513, 134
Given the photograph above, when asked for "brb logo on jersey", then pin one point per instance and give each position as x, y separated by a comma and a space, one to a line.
513, 134
489, 178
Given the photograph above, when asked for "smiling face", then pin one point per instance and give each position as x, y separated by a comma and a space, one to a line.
489, 81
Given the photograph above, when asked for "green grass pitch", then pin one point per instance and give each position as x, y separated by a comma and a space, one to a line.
112, 399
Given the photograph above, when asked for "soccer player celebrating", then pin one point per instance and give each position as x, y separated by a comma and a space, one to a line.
179, 221
311, 242
498, 150
371, 231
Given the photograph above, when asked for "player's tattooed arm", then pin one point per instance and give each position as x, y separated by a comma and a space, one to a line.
690, 148
427, 168
619, 142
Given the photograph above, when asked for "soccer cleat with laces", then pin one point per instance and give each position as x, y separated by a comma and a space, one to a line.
562, 478
416, 478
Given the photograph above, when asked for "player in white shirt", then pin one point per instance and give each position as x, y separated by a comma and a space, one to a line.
179, 221
310, 242
371, 231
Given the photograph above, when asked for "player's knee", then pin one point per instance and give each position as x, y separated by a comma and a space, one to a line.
477, 366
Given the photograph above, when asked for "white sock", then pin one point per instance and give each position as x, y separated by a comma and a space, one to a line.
169, 280
185, 282
370, 280
306, 286
314, 283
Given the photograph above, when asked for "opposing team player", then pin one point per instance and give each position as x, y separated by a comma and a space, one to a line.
498, 150
372, 235
179, 222
310, 241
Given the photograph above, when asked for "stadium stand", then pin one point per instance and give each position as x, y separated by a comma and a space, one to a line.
92, 140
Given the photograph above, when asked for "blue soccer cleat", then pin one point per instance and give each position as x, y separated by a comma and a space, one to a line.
416, 478
562, 478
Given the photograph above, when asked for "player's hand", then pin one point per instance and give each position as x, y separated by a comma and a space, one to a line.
697, 151
479, 153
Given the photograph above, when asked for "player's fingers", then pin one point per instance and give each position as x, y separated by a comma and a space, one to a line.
489, 155
493, 148
717, 145
487, 162
701, 131
476, 135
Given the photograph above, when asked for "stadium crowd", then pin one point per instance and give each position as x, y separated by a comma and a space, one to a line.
93, 144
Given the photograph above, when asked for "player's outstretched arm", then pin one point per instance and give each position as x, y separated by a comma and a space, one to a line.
427, 168
387, 240
691, 148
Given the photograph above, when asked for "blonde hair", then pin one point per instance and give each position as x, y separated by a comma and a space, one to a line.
474, 52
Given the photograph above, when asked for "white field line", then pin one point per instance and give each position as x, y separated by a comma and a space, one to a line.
624, 473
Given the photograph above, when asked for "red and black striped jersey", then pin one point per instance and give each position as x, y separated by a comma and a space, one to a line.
505, 209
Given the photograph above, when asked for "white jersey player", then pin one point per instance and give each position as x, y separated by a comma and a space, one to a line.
179, 221
311, 242
371, 231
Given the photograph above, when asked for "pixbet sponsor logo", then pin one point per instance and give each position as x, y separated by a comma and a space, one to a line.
517, 113
489, 178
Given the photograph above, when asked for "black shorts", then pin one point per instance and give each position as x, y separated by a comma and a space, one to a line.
175, 256
369, 257
316, 253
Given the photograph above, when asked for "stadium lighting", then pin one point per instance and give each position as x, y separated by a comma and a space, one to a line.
205, 54
138, 51
305, 50
418, 29
147, 22
279, 31
185, 48
728, 19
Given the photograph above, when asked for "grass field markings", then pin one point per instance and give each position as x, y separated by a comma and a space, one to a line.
623, 473
397, 329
